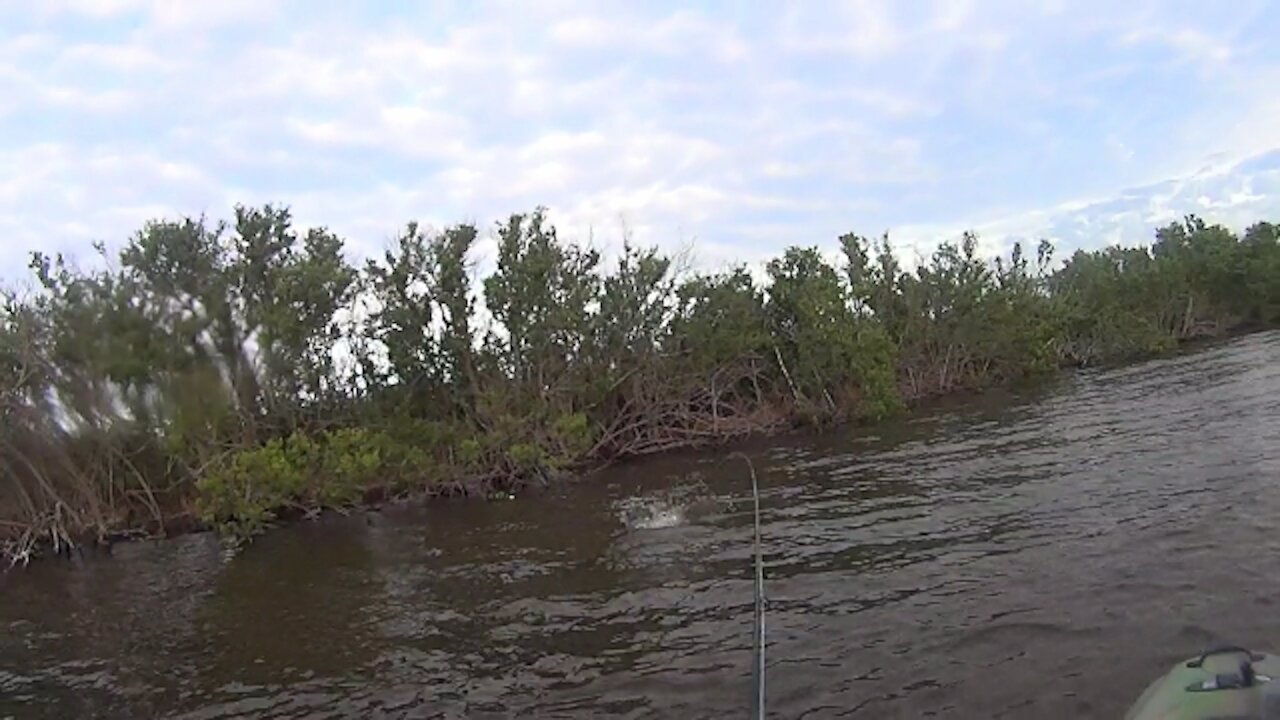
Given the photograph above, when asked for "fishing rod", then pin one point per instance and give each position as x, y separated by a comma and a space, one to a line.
757, 640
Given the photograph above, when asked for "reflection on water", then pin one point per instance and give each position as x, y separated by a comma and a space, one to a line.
1044, 553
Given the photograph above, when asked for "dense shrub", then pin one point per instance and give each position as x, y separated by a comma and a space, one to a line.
232, 371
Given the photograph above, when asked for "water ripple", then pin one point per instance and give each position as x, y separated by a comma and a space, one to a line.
1043, 552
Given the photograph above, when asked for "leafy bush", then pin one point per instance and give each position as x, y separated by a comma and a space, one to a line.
574, 437
242, 497
527, 459
199, 364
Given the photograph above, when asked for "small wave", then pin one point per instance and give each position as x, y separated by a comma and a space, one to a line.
651, 514
685, 502
660, 518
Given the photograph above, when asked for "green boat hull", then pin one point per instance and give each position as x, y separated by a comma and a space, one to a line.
1223, 684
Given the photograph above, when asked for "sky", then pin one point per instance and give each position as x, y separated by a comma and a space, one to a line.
734, 128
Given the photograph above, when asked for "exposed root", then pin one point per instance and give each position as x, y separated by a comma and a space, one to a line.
47, 532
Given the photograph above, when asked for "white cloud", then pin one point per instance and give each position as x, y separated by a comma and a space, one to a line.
94, 8
167, 14
887, 103
25, 90
588, 32
97, 101
1222, 194
291, 72
58, 198
120, 57
413, 131
952, 14
1190, 45
861, 28
683, 33
748, 127
183, 14
27, 43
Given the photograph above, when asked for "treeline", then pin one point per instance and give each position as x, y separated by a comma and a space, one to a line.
220, 374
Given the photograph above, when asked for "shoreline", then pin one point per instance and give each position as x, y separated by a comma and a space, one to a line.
241, 375
378, 498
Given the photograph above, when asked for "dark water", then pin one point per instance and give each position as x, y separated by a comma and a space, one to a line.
1042, 555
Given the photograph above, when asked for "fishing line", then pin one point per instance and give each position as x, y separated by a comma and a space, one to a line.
757, 644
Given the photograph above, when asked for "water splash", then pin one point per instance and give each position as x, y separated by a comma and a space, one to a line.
652, 514
679, 505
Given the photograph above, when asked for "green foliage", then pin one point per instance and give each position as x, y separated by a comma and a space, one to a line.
246, 369
403, 292
573, 435
526, 458
874, 365
469, 452
453, 293
194, 409
242, 497
634, 308
351, 460
1115, 304
829, 349
540, 293
1260, 268
719, 319
1195, 280
243, 494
